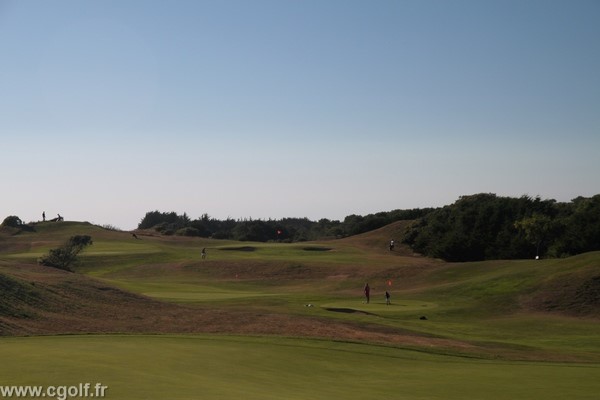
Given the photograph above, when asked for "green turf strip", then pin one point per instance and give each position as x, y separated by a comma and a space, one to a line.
223, 367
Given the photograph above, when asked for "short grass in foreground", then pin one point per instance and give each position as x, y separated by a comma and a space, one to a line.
219, 367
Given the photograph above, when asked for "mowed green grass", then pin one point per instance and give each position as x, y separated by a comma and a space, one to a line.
472, 302
228, 367
189, 292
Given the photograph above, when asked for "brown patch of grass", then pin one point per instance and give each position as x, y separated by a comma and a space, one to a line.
572, 294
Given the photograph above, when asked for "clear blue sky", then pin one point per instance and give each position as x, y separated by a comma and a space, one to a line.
288, 108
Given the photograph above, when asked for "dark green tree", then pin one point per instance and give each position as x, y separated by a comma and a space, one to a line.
537, 229
477, 227
580, 224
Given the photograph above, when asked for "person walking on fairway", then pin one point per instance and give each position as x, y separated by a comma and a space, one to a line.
203, 253
368, 293
387, 298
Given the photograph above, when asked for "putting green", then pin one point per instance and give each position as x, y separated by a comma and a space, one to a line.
376, 307
223, 367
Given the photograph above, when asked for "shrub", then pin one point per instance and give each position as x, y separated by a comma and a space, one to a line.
65, 256
188, 232
12, 221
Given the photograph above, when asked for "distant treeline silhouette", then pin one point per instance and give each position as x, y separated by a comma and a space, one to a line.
284, 230
486, 226
476, 227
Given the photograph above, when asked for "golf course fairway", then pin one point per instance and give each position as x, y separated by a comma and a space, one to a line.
229, 367
149, 318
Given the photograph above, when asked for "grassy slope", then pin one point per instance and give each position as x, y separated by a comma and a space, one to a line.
507, 309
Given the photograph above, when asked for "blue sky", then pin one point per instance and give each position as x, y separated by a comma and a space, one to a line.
271, 109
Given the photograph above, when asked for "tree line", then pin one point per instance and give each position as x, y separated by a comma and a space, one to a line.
486, 226
476, 227
283, 230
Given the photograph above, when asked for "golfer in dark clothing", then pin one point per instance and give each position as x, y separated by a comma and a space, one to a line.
367, 293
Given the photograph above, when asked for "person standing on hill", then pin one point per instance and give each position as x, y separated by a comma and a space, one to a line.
44, 216
387, 298
368, 293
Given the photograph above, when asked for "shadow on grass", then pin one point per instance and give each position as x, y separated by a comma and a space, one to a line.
316, 248
240, 248
348, 311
